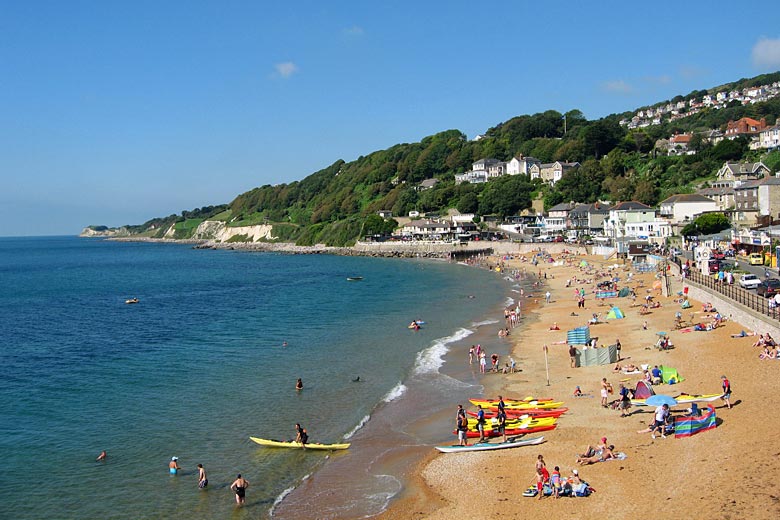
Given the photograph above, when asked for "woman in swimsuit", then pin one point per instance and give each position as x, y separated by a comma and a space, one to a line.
239, 487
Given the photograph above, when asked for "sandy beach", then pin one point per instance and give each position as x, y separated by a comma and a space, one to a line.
729, 472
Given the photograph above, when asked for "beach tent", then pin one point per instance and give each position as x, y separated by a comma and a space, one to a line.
643, 390
625, 291
669, 375
687, 426
583, 263
615, 314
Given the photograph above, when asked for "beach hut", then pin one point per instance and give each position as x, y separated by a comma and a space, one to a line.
643, 390
615, 314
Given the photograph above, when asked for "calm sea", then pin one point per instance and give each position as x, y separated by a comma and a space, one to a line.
209, 357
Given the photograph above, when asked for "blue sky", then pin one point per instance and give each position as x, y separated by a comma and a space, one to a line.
116, 112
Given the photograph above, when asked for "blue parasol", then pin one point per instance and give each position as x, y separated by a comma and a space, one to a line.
659, 399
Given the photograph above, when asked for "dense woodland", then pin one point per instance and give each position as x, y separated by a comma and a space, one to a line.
332, 205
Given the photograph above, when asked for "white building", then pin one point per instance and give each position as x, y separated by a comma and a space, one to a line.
683, 208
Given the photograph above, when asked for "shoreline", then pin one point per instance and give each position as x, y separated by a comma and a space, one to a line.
666, 468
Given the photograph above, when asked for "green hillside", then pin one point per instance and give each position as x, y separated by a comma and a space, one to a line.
331, 205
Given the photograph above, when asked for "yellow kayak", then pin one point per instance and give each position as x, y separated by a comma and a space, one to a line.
291, 444
513, 424
490, 404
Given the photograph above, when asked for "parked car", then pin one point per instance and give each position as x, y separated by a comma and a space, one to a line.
559, 238
768, 287
729, 253
756, 259
714, 265
718, 255
749, 281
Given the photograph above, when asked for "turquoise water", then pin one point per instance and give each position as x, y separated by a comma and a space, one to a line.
199, 365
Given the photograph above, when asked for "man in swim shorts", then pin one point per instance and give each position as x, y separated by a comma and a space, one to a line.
202, 480
173, 466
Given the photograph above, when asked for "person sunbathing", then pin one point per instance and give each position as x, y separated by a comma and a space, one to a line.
760, 342
618, 367
630, 368
769, 341
655, 305
600, 456
768, 353
555, 326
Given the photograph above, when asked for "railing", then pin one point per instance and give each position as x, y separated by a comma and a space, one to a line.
749, 299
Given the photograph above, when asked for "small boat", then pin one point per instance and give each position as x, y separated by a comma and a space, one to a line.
131, 300
484, 446
271, 443
354, 278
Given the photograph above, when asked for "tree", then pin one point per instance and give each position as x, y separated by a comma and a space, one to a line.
506, 195
601, 137
468, 203
707, 224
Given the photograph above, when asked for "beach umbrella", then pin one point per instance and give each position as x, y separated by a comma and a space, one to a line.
660, 399
661, 333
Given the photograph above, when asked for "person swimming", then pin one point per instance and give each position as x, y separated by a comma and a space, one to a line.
299, 384
356, 380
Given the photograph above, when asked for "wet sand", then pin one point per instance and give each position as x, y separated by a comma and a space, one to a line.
729, 472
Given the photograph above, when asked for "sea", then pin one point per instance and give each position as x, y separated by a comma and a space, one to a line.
208, 357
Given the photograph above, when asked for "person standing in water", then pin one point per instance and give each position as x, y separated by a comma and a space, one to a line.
173, 466
202, 480
102, 456
299, 384
239, 488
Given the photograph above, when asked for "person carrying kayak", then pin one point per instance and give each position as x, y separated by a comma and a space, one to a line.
301, 435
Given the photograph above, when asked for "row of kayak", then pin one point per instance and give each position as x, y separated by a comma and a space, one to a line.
524, 416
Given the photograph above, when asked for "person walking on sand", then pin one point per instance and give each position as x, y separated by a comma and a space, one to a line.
173, 466
471, 355
239, 487
547, 296
462, 425
726, 385
606, 389
482, 362
625, 401
481, 423
202, 480
573, 355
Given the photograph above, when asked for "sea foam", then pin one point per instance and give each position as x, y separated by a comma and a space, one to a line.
354, 430
432, 358
397, 391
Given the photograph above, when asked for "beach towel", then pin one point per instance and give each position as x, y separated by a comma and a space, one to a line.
606, 294
688, 426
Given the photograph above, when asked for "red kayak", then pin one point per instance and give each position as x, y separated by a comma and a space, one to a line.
510, 432
533, 412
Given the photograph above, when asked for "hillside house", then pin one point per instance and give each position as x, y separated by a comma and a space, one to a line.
588, 219
681, 209
769, 138
723, 196
558, 217
733, 174
521, 165
745, 126
636, 221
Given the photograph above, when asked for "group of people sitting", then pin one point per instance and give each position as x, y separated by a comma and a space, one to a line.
546, 484
765, 340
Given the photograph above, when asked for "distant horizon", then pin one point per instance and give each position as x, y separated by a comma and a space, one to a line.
144, 112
